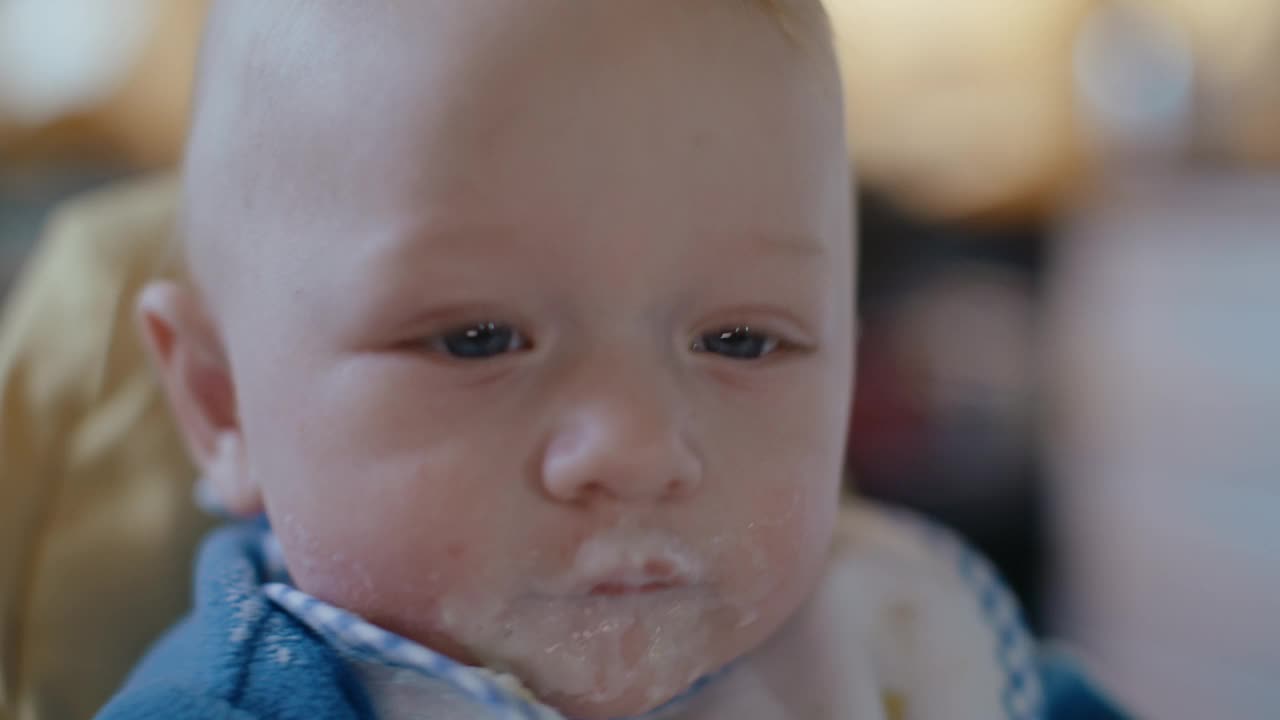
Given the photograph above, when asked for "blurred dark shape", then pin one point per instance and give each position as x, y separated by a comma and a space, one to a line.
944, 418
1069, 697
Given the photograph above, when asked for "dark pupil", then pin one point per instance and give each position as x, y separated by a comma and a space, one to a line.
480, 341
736, 343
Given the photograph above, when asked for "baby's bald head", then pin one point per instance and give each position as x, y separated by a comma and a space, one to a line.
282, 84
491, 278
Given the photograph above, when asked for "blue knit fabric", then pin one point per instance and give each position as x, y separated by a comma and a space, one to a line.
237, 656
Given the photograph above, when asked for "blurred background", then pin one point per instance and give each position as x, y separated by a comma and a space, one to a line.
1070, 290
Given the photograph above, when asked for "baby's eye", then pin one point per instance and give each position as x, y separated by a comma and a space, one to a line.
479, 341
738, 343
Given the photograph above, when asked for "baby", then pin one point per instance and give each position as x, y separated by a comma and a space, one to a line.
528, 326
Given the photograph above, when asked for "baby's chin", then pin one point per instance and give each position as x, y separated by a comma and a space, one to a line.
632, 703
619, 677
598, 658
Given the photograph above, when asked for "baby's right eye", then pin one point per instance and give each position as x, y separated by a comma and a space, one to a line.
478, 341
737, 343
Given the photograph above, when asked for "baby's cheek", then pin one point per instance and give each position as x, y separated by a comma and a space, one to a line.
372, 566
782, 541
795, 510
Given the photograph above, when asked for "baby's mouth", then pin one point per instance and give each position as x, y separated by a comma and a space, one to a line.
619, 589
653, 575
617, 565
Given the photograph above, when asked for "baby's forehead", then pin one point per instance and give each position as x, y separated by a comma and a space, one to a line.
444, 94
312, 60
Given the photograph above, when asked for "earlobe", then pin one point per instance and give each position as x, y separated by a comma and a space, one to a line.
196, 376
227, 475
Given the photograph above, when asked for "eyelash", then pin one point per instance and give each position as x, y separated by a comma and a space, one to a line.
759, 345
737, 343
494, 339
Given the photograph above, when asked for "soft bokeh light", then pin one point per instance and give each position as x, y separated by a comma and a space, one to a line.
963, 107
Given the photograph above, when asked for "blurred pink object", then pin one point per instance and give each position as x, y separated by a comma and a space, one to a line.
1165, 440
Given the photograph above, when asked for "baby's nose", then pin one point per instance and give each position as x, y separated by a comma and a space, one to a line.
620, 454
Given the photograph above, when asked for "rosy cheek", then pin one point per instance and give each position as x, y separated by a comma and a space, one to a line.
795, 524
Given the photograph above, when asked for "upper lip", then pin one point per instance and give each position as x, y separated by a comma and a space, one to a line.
653, 575
610, 589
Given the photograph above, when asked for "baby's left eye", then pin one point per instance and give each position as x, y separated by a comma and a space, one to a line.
737, 343
479, 342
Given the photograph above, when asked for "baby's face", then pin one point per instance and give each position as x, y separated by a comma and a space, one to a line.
544, 354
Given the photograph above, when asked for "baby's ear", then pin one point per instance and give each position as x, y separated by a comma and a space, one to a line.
196, 376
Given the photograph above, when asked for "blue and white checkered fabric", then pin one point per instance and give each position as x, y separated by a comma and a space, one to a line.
369, 643
346, 632
1015, 650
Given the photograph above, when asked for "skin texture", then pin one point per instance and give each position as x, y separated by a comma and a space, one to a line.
613, 183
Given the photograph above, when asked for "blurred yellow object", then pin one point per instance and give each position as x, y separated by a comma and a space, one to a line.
97, 526
962, 109
140, 119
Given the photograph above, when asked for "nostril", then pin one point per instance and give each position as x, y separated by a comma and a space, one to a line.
594, 489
